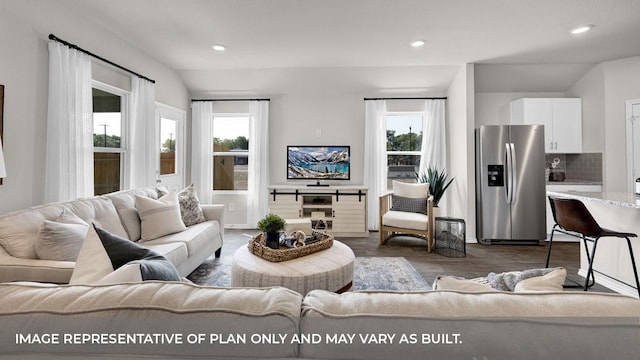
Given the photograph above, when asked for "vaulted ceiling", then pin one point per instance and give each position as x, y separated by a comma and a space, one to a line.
347, 33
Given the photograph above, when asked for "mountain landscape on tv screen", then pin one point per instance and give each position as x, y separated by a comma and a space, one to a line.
318, 163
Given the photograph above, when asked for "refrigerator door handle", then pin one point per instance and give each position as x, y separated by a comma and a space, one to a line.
507, 187
514, 173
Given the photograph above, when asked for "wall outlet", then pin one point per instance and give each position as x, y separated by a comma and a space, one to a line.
318, 133
231, 207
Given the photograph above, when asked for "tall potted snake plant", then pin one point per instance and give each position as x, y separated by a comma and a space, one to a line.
438, 183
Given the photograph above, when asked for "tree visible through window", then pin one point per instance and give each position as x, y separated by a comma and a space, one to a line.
404, 144
230, 152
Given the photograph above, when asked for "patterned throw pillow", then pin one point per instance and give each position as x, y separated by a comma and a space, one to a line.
414, 205
189, 205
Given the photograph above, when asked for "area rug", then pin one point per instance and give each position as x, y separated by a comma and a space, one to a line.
370, 273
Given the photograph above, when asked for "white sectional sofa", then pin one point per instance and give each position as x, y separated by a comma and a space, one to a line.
353, 325
115, 213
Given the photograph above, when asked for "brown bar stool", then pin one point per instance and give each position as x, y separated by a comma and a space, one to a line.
573, 218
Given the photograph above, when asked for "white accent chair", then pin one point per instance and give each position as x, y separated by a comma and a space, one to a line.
396, 223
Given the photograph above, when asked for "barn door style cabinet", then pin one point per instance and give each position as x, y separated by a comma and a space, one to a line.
343, 208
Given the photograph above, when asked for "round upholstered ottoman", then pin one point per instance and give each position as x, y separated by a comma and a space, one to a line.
330, 269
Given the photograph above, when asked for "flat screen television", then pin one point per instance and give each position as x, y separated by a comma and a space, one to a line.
318, 163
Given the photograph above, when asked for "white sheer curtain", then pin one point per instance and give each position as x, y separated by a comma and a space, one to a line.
375, 157
69, 157
434, 145
202, 149
142, 136
257, 198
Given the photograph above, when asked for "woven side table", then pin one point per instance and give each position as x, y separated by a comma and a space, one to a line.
450, 237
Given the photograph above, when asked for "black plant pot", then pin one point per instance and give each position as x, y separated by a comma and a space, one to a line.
272, 240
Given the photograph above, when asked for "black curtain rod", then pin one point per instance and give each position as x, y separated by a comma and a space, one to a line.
194, 100
73, 46
407, 98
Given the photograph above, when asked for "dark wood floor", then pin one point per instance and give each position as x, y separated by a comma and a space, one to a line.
480, 259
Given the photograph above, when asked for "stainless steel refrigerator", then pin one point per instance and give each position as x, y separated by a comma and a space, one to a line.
510, 184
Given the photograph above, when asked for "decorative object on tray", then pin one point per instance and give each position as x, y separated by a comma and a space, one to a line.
272, 225
318, 241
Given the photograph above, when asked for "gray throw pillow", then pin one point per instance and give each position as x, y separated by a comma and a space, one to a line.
189, 205
414, 205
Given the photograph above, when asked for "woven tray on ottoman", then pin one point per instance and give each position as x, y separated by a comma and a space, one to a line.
257, 247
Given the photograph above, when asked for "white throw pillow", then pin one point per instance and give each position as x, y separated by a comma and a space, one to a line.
159, 217
552, 281
460, 284
61, 239
410, 190
93, 263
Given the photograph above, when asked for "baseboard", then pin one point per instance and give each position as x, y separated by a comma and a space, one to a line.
611, 283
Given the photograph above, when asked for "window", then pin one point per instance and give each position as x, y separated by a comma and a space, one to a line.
168, 131
108, 140
404, 142
230, 151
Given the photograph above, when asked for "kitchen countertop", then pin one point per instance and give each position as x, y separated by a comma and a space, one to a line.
574, 182
625, 199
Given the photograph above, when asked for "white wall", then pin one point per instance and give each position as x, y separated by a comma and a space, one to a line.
24, 72
460, 132
492, 108
620, 84
592, 91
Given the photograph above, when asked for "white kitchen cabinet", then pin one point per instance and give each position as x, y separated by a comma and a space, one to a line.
561, 117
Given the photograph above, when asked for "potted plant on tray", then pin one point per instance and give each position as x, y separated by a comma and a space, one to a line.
271, 225
438, 183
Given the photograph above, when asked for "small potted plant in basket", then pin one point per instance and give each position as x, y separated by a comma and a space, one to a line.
271, 225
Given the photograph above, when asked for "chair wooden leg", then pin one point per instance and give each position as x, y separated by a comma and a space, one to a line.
633, 263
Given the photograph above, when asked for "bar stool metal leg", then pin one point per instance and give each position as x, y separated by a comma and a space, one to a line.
590, 271
633, 263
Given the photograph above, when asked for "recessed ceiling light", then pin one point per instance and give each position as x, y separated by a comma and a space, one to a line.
581, 29
417, 43
219, 47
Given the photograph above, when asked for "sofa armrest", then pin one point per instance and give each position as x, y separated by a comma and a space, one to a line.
214, 212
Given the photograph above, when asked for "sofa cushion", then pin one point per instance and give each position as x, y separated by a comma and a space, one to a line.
125, 204
405, 220
159, 217
410, 190
103, 253
190, 209
19, 230
195, 237
176, 252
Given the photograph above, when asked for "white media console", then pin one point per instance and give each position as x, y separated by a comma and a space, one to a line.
343, 208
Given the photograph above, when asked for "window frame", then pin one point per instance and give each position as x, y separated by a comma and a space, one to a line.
124, 122
242, 153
